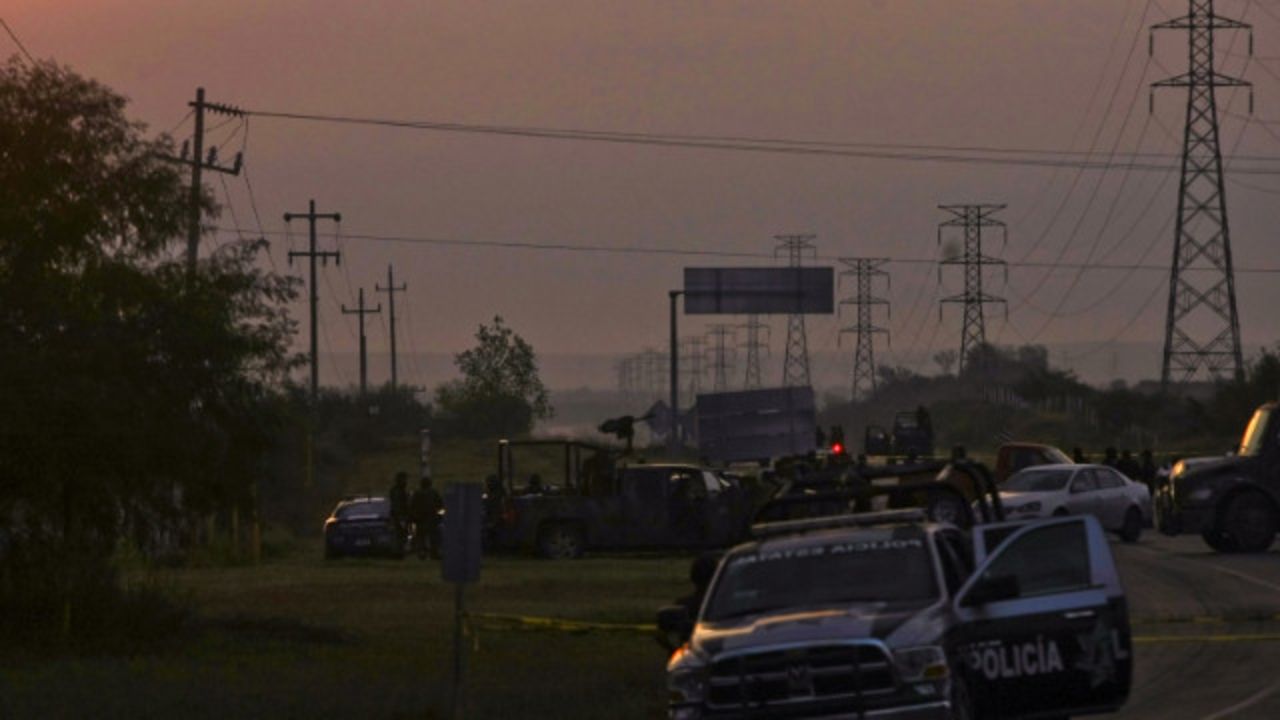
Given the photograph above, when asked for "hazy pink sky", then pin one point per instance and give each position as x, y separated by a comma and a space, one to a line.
1016, 73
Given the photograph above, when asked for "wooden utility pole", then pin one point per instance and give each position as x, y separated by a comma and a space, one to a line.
199, 162
311, 216
391, 291
360, 312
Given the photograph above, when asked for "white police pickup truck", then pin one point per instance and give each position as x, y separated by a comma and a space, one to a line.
887, 615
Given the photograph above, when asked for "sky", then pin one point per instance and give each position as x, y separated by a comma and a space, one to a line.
1048, 74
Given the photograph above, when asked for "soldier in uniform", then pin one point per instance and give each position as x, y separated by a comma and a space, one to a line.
424, 511
399, 498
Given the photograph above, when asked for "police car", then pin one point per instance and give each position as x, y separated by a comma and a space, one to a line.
889, 615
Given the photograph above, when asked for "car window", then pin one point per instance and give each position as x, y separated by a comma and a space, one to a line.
954, 570
645, 488
875, 567
1049, 559
1108, 479
688, 486
1034, 480
1084, 482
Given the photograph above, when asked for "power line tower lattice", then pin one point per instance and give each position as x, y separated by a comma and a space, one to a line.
864, 271
1202, 327
756, 344
722, 355
972, 219
795, 364
691, 354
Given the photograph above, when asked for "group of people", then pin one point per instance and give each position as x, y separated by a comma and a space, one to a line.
418, 512
1142, 468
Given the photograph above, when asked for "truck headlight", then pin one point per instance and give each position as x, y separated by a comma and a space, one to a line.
921, 663
686, 681
687, 686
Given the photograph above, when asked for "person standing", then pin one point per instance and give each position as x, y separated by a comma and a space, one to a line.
399, 499
424, 512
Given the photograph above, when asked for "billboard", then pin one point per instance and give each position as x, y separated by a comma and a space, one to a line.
756, 424
759, 291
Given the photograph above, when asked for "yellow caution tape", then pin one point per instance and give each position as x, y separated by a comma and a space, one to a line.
1170, 639
1206, 619
498, 621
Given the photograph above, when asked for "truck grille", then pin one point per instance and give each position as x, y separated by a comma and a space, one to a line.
780, 678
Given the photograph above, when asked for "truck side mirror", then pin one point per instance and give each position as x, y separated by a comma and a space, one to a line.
675, 626
991, 589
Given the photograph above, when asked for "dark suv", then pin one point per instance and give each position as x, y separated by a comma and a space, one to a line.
886, 615
362, 526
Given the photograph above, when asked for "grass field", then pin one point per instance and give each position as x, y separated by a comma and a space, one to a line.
299, 637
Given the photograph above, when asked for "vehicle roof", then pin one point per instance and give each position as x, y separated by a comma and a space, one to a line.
356, 499
1067, 466
806, 538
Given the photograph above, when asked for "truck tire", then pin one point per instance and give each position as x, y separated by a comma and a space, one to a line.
560, 541
1131, 530
1250, 521
1217, 541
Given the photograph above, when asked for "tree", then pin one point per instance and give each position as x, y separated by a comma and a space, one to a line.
134, 389
499, 393
946, 359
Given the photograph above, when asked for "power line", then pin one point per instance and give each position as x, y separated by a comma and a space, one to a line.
870, 151
680, 252
14, 36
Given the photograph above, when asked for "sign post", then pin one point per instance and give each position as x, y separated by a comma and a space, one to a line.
461, 565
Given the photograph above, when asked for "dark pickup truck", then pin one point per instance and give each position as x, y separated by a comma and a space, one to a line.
1232, 501
596, 501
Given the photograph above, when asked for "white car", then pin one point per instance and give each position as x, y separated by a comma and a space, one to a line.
1120, 504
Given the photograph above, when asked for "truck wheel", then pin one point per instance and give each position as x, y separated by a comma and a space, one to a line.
1250, 521
1131, 530
560, 541
1217, 541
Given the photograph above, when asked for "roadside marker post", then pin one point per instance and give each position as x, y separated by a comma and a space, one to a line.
461, 565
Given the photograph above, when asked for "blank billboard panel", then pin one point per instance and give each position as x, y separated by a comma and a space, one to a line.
759, 291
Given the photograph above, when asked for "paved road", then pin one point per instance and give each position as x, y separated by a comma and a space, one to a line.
1194, 611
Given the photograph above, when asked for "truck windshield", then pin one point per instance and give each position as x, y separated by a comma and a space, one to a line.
1251, 443
1037, 481
880, 568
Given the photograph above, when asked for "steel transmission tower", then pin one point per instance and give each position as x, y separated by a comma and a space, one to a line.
795, 364
1202, 328
722, 355
864, 271
691, 353
972, 219
756, 342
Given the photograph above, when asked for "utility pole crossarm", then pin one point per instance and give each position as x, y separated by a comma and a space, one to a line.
391, 289
312, 255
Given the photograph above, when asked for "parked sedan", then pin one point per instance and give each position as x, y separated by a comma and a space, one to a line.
1120, 504
362, 526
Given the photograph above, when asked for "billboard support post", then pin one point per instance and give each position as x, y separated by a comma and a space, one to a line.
673, 440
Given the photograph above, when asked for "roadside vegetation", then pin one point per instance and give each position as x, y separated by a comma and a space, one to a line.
1006, 393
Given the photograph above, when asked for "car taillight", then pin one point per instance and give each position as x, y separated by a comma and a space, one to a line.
509, 516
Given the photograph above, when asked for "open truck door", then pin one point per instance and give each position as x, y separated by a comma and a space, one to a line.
1044, 625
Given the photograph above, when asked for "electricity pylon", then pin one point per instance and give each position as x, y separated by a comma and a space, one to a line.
972, 219
1202, 327
864, 271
